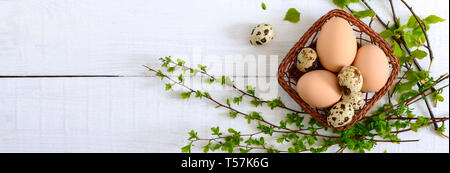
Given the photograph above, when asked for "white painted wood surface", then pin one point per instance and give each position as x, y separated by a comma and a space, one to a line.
132, 113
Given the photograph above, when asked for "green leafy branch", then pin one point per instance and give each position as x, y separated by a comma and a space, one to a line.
404, 37
383, 125
358, 139
224, 80
389, 120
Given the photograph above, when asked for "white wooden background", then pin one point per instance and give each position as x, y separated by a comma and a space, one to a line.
132, 113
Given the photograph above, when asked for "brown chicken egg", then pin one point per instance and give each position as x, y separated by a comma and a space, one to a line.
336, 44
374, 67
319, 88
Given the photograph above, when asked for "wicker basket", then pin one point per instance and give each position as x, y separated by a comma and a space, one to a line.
288, 74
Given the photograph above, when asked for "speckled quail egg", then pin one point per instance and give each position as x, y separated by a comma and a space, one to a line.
350, 80
355, 98
341, 114
307, 60
261, 34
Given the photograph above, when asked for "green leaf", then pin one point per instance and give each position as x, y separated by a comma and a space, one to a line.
405, 59
193, 71
407, 95
168, 58
409, 39
202, 67
280, 140
297, 120
186, 95
250, 90
217, 146
282, 125
216, 131
228, 81
418, 35
261, 141
398, 52
271, 150
207, 147
419, 54
184, 69
170, 69
228, 102
382, 116
221, 80
206, 94
237, 100
160, 74
249, 119
437, 97
413, 127
274, 103
168, 86
256, 115
232, 131
291, 150
363, 14
165, 64
311, 140
431, 19
186, 149
263, 6
292, 15
224, 80
181, 78
252, 116
198, 94
209, 80
412, 22
241, 150
256, 102
342, 3
416, 75
180, 62
387, 33
400, 29
266, 129
406, 86
441, 129
409, 113
233, 114
192, 135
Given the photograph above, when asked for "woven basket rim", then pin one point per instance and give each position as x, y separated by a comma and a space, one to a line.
284, 78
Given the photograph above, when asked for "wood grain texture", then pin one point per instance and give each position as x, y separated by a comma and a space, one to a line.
129, 115
132, 113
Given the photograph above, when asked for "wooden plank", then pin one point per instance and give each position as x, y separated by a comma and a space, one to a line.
131, 115
110, 37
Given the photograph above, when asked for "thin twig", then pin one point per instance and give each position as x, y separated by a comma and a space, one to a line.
428, 95
393, 14
299, 131
402, 41
400, 103
421, 24
378, 17
405, 130
407, 118
412, 140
